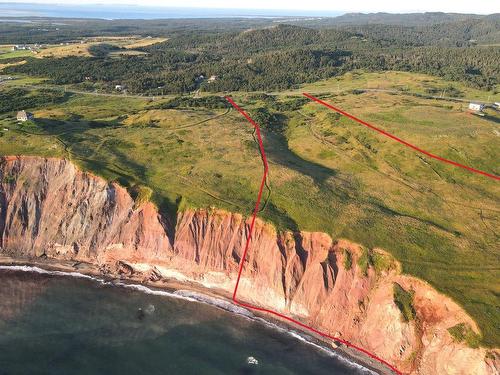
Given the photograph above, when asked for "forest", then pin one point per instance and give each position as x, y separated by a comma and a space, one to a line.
258, 55
13, 99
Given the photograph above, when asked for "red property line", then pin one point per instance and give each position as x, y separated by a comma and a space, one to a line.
494, 177
247, 244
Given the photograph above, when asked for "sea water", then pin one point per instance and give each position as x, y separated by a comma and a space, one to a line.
55, 324
114, 11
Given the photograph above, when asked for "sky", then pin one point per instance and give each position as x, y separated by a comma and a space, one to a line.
392, 6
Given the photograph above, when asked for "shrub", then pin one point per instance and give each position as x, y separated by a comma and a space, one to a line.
7, 179
102, 49
364, 261
182, 203
210, 102
271, 121
404, 301
462, 332
347, 259
490, 355
141, 194
333, 116
292, 104
381, 262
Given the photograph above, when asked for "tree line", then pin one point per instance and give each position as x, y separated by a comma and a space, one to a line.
276, 58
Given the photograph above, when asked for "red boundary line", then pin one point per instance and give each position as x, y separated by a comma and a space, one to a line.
247, 244
492, 176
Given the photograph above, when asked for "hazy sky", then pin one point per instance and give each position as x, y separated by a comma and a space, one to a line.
393, 6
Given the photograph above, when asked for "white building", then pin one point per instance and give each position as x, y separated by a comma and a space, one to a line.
24, 116
476, 107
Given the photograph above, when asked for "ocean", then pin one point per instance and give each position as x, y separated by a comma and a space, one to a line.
55, 324
145, 12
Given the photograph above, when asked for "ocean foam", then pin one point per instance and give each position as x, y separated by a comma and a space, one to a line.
138, 287
220, 303
310, 341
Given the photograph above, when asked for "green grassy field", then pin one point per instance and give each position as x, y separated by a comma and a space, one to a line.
327, 173
403, 82
80, 47
8, 54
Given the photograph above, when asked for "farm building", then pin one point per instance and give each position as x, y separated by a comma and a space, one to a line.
24, 116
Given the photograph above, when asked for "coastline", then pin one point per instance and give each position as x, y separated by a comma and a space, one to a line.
196, 293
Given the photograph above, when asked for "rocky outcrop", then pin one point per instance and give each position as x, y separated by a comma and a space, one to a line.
49, 208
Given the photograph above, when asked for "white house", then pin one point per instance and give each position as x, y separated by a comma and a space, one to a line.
476, 107
20, 47
24, 116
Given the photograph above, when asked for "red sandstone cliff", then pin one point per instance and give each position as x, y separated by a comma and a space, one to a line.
50, 208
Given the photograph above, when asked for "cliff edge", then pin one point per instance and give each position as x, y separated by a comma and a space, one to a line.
49, 208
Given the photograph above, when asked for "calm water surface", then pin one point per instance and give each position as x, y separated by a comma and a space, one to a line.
62, 325
120, 11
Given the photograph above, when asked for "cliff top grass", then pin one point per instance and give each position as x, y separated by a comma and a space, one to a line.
327, 173
462, 332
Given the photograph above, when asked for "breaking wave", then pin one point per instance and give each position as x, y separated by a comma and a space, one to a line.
220, 303
311, 341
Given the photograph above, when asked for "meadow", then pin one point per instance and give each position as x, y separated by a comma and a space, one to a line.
402, 82
327, 173
81, 47
7, 53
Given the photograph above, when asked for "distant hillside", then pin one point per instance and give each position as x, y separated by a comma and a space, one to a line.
270, 55
416, 29
457, 33
408, 19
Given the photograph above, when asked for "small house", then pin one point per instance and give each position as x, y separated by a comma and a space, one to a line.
21, 47
476, 107
119, 87
24, 116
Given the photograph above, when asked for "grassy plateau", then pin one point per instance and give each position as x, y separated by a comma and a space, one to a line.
327, 173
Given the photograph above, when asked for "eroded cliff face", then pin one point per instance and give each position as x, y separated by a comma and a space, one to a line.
50, 208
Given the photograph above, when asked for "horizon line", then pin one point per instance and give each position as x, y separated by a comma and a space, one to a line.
307, 12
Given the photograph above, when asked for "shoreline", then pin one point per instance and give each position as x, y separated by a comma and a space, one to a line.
194, 292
